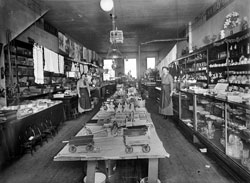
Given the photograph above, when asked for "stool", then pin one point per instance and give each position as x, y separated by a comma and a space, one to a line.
99, 178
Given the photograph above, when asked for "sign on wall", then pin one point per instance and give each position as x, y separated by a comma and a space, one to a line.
61, 42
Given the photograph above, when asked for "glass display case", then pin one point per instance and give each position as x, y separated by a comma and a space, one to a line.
219, 119
211, 120
186, 109
221, 125
238, 134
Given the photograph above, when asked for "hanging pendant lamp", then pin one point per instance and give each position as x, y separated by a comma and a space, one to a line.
107, 5
113, 51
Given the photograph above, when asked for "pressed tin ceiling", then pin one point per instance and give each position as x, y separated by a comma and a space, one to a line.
140, 20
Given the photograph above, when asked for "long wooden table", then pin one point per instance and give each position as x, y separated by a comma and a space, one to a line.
113, 148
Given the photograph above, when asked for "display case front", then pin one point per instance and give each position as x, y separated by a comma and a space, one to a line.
223, 126
186, 109
211, 120
238, 134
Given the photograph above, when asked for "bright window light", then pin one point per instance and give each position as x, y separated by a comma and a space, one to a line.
130, 66
109, 73
151, 62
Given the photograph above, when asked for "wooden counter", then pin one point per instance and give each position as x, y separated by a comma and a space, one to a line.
70, 103
12, 131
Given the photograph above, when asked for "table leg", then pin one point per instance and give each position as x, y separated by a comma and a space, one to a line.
152, 170
91, 165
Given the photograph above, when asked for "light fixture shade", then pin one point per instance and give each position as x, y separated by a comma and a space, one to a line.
106, 5
114, 52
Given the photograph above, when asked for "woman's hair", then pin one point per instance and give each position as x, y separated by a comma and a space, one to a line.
164, 67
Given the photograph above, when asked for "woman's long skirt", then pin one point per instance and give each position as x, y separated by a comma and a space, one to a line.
84, 103
166, 105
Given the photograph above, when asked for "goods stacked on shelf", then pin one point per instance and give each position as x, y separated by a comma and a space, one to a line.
20, 75
28, 107
214, 98
225, 61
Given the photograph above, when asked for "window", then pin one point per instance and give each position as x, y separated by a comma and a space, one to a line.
130, 66
151, 62
109, 73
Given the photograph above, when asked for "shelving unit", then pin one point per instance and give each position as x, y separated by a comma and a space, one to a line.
19, 73
219, 62
223, 126
194, 66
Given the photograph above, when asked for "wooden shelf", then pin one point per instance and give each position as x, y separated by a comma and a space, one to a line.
21, 54
26, 75
204, 70
239, 74
244, 67
197, 61
190, 72
201, 80
239, 84
23, 65
217, 60
214, 68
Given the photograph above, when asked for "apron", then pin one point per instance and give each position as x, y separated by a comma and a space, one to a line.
84, 103
166, 105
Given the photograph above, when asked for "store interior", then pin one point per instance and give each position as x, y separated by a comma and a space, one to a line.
120, 48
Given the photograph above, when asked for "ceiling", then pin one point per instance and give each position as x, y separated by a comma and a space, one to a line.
140, 20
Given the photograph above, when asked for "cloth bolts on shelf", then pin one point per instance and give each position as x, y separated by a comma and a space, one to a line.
38, 64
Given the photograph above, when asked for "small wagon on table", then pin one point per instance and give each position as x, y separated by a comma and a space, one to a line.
86, 141
136, 136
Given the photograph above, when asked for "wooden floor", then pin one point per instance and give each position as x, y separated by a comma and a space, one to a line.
185, 165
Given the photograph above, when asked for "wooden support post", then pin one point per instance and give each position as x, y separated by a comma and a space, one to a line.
190, 39
91, 165
195, 112
152, 170
108, 169
180, 111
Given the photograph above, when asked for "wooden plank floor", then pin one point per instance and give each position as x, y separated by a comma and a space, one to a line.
186, 164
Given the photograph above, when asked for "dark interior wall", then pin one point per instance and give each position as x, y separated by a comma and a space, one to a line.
41, 37
19, 15
214, 25
2, 39
164, 51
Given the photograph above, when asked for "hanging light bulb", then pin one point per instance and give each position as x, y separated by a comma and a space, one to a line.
106, 5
